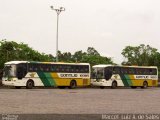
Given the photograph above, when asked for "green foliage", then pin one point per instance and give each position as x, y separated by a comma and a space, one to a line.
141, 55
92, 51
10, 50
91, 56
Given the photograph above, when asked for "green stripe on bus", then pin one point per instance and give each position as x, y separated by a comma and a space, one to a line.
128, 80
44, 79
124, 80
50, 79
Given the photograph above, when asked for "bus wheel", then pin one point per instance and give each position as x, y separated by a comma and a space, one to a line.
102, 87
30, 84
61, 87
145, 85
17, 87
114, 85
73, 84
134, 87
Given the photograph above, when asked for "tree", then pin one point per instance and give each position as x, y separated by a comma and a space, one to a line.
79, 56
10, 50
65, 57
91, 56
140, 55
94, 58
92, 51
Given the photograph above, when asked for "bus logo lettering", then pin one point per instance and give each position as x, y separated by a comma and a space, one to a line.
68, 75
142, 77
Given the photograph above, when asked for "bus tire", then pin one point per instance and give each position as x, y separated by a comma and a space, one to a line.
102, 87
61, 87
145, 85
30, 84
18, 87
133, 87
114, 85
73, 84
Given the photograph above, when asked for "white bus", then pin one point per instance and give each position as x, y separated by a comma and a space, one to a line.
129, 76
30, 74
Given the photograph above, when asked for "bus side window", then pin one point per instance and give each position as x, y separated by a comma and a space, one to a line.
57, 68
20, 73
147, 71
44, 68
68, 68
116, 70
132, 71
62, 68
72, 69
41, 67
47, 68
21, 70
124, 70
81, 69
108, 73
77, 69
30, 67
150, 71
121, 70
154, 71
35, 67
138, 71
54, 68
86, 69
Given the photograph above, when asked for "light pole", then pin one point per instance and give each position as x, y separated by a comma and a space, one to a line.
58, 11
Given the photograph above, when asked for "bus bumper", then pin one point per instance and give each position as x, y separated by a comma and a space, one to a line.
98, 84
11, 83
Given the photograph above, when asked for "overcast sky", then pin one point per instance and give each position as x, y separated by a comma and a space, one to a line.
106, 25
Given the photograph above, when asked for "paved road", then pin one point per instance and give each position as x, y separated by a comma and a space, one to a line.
79, 101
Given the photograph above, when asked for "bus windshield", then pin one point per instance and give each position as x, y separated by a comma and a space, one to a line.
98, 73
9, 71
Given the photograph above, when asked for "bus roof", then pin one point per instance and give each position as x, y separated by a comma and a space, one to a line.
18, 62
102, 65
15, 62
108, 65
